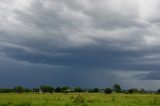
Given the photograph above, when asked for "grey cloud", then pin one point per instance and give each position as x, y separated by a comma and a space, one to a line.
154, 75
32, 75
64, 26
42, 30
81, 35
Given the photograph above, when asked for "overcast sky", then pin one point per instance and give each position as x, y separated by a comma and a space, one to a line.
88, 43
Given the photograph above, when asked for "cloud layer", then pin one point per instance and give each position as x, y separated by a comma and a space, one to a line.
81, 35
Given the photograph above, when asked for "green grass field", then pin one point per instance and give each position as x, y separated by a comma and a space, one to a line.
82, 99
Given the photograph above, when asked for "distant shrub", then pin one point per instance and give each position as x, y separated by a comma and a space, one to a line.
95, 90
78, 89
133, 90
46, 88
18, 89
58, 89
108, 91
6, 90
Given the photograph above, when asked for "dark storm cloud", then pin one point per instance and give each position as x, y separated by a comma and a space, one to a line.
149, 76
81, 35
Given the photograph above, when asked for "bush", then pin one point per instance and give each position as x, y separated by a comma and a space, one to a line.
58, 89
18, 89
108, 91
46, 88
78, 89
6, 90
95, 90
133, 90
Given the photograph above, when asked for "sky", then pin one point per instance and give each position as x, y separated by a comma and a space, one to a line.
87, 43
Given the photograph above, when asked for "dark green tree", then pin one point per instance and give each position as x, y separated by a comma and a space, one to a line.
64, 88
46, 88
93, 90
58, 89
117, 88
6, 90
27, 90
78, 89
108, 91
18, 89
96, 90
133, 90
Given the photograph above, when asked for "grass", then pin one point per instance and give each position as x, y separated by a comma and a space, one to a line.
81, 99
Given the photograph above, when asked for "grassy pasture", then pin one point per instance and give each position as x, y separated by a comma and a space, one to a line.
82, 99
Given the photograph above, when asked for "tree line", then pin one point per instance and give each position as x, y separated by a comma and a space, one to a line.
66, 89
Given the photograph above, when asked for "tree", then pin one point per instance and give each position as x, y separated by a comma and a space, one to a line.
27, 90
58, 89
18, 89
108, 91
117, 88
78, 89
133, 90
6, 90
96, 90
93, 90
46, 88
64, 88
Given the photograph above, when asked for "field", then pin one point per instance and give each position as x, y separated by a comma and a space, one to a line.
82, 99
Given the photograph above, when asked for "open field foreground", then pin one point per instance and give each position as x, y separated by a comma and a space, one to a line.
82, 99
